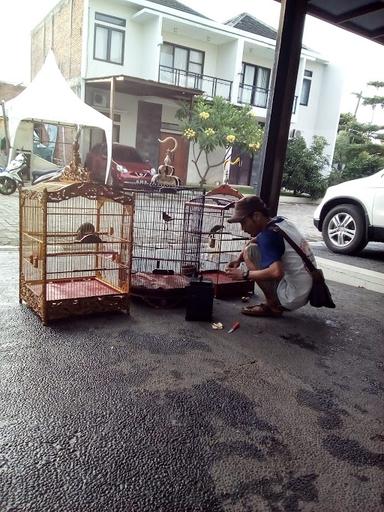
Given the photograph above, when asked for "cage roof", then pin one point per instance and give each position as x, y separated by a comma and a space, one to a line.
58, 191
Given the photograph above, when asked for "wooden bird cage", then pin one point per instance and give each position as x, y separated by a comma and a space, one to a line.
166, 245
222, 242
75, 249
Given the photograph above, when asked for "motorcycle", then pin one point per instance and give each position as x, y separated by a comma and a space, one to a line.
11, 177
42, 176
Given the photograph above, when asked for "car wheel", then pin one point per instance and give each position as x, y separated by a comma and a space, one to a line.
344, 229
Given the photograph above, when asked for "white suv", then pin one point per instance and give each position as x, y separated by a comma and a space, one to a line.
351, 214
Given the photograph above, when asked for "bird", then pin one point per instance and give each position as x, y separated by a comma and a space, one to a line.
216, 229
166, 218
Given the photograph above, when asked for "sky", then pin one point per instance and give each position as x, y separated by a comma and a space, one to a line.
360, 59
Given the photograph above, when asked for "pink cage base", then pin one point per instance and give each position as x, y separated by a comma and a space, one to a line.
158, 282
62, 290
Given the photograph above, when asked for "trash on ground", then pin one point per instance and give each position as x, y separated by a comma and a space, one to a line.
235, 326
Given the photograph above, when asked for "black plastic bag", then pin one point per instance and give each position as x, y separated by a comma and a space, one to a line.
320, 296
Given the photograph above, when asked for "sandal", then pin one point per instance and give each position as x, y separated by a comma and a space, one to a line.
262, 310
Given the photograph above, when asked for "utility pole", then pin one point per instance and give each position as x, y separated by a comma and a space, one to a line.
359, 95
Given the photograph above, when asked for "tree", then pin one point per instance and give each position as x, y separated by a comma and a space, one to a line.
376, 100
212, 124
303, 167
358, 150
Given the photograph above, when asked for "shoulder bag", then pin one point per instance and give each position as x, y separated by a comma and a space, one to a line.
319, 296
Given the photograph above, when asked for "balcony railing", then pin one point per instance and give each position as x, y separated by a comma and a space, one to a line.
211, 85
257, 96
251, 95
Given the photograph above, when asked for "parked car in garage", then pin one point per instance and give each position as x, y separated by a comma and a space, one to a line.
128, 166
351, 214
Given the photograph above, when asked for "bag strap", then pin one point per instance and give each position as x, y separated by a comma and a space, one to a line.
307, 262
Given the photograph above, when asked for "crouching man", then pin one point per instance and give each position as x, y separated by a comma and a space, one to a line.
271, 261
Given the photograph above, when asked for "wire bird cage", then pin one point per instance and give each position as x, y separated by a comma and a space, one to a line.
75, 249
166, 247
222, 242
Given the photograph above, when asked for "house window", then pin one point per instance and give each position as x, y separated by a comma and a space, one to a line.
106, 18
181, 66
254, 85
306, 87
109, 41
97, 135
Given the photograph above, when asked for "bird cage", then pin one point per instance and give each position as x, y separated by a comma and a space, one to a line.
166, 247
75, 249
222, 242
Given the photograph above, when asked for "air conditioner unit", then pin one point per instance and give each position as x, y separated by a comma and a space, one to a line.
100, 99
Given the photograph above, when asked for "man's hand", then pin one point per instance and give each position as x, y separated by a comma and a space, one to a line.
234, 273
233, 264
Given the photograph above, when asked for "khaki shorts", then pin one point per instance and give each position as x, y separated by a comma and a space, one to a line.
253, 252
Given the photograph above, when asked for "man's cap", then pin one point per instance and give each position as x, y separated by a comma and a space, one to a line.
246, 207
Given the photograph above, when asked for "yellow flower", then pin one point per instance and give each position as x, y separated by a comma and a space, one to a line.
204, 115
255, 145
209, 132
231, 139
189, 133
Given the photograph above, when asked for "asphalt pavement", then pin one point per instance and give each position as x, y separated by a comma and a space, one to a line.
149, 412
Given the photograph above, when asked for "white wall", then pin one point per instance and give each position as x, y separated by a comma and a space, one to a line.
327, 120
214, 175
227, 60
149, 50
321, 116
252, 56
306, 115
127, 107
141, 48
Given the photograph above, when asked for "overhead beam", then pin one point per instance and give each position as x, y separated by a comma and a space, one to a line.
359, 11
347, 24
377, 34
283, 84
368, 34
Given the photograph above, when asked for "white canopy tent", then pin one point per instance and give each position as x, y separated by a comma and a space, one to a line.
49, 99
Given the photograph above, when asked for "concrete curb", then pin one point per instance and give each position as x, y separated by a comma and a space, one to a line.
353, 276
299, 200
6, 248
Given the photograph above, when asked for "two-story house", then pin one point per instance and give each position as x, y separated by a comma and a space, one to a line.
137, 59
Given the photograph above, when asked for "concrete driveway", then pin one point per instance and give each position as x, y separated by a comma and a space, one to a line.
151, 413
9, 219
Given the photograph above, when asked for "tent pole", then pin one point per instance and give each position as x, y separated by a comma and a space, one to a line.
7, 143
112, 100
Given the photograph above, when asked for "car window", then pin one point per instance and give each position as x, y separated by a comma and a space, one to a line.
126, 154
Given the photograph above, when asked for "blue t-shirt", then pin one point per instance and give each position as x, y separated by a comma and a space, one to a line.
271, 246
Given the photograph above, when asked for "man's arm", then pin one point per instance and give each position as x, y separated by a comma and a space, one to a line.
234, 264
274, 271
240, 259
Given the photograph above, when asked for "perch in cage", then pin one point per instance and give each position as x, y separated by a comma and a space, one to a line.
75, 249
221, 242
166, 247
